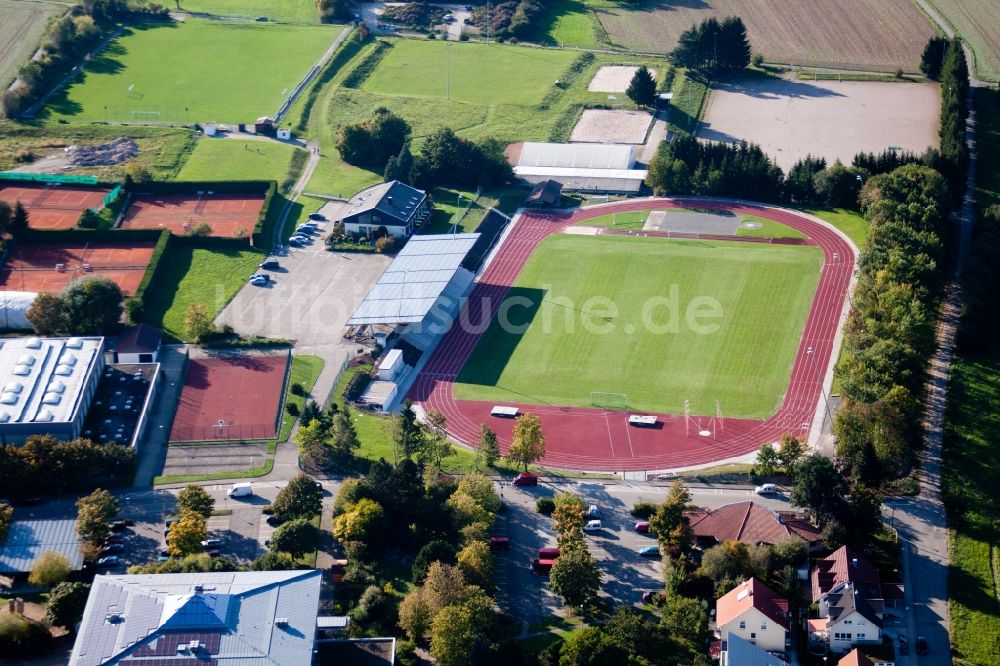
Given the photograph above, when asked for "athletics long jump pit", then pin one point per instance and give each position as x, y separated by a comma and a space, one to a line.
713, 393
228, 215
51, 267
53, 206
234, 397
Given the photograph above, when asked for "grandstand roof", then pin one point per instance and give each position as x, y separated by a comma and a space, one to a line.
415, 279
577, 155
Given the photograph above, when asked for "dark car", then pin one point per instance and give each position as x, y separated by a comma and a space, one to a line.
499, 543
112, 540
118, 526
113, 549
270, 265
922, 645
317, 216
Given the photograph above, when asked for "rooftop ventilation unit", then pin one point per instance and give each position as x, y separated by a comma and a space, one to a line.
9, 398
5, 418
63, 370
26, 359
51, 398
56, 387
33, 343
22, 370
74, 343
199, 588
45, 415
13, 387
281, 621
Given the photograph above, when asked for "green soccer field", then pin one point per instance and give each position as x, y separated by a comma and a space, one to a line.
571, 343
195, 71
479, 73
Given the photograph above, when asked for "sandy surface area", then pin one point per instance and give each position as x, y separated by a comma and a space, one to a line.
614, 78
605, 126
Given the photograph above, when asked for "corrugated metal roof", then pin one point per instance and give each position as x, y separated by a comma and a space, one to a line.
233, 615
415, 279
577, 155
27, 539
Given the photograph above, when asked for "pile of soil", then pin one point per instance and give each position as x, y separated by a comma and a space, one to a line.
115, 152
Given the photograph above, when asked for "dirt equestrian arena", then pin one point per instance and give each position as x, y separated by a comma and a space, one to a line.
230, 398
51, 267
53, 206
229, 215
604, 126
614, 78
790, 119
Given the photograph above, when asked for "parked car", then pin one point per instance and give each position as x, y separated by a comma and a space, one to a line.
767, 489
305, 229
113, 549
525, 479
295, 242
240, 490
302, 238
593, 511
269, 265
109, 561
113, 539
499, 543
448, 18
649, 551
922, 647
317, 216
261, 19
118, 526
215, 552
593, 526
548, 553
263, 276
212, 543
167, 524
540, 566
642, 527
666, 476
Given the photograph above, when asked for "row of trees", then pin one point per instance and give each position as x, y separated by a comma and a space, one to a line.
43, 465
92, 305
718, 46
785, 457
382, 143
954, 114
980, 285
13, 221
575, 576
889, 336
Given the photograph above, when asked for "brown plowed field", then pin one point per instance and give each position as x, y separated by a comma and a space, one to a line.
878, 35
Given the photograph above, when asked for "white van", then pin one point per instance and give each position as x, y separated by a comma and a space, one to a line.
240, 490
767, 489
593, 526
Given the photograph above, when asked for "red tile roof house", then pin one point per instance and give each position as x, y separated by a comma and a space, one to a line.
753, 611
869, 656
847, 590
750, 523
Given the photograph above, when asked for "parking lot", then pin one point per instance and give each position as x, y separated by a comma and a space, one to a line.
310, 297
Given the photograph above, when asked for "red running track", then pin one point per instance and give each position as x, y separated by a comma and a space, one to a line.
597, 439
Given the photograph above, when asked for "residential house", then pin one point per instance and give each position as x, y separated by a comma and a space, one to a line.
875, 655
392, 208
845, 619
844, 566
750, 523
753, 611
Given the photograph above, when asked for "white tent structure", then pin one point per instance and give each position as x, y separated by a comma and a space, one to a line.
13, 307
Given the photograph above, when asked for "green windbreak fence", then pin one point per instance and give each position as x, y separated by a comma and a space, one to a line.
112, 195
48, 178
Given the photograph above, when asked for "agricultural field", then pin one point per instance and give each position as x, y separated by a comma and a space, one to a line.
569, 342
292, 11
232, 159
976, 22
162, 150
21, 26
790, 119
878, 35
195, 71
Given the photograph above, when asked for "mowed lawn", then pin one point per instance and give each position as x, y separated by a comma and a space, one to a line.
195, 71
21, 25
300, 11
607, 325
479, 73
230, 159
196, 275
882, 35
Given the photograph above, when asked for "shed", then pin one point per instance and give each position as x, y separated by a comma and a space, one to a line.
285, 134
391, 365
138, 344
211, 130
379, 394
264, 125
545, 193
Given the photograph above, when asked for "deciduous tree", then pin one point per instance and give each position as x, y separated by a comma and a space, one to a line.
46, 314
528, 445
197, 322
195, 498
358, 521
92, 305
66, 604
50, 568
488, 446
296, 537
300, 498
568, 517
766, 463
185, 536
819, 488
790, 452
671, 527
476, 563
94, 514
575, 576
415, 615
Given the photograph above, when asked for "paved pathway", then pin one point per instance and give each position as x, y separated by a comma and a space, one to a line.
153, 454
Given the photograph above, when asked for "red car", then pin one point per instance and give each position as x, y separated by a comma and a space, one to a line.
499, 543
525, 479
642, 527
548, 553
540, 566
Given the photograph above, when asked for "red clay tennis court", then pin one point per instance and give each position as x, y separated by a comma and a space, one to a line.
53, 206
230, 398
50, 267
228, 215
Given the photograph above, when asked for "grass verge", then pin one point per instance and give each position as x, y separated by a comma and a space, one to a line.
305, 371
253, 472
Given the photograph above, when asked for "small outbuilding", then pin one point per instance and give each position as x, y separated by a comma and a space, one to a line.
545, 194
285, 134
391, 365
264, 125
139, 344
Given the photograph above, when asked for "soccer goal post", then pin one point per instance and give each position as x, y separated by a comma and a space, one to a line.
608, 400
146, 116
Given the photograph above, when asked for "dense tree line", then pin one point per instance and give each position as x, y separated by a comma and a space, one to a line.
954, 155
689, 166
890, 160
933, 56
372, 142
719, 46
980, 285
92, 305
889, 336
65, 40
45, 466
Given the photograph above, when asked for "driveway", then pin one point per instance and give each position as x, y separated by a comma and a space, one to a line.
371, 13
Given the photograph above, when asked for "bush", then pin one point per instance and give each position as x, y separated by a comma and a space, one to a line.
20, 637
643, 509
385, 244
200, 230
297, 389
23, 155
545, 505
356, 387
292, 408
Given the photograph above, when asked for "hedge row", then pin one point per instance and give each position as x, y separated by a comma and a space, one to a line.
194, 186
360, 74
263, 230
347, 50
77, 235
162, 243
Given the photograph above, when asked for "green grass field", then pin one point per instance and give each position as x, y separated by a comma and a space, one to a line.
971, 465
229, 159
636, 220
21, 25
296, 11
421, 69
195, 275
851, 222
305, 371
196, 71
563, 354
